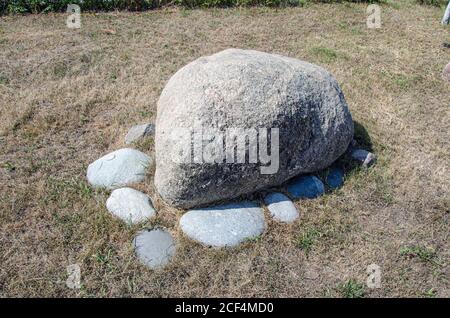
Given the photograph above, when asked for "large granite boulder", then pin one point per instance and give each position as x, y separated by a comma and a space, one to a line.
292, 114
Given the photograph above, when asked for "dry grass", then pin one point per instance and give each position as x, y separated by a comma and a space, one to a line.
68, 96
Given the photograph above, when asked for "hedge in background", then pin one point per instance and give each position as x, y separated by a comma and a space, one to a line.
40, 6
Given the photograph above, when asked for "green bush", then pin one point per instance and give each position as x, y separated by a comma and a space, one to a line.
38, 6
436, 3
42, 6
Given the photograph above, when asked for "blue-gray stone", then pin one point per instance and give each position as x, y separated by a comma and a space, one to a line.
154, 248
130, 205
306, 187
365, 157
335, 178
224, 225
281, 208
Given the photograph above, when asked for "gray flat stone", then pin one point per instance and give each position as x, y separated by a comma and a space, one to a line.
154, 248
224, 225
281, 208
308, 187
130, 205
365, 157
335, 178
139, 131
119, 168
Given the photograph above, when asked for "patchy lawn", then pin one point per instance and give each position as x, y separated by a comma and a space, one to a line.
69, 96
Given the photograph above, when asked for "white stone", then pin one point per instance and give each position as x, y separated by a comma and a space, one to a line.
281, 208
224, 225
363, 156
154, 248
138, 131
119, 168
130, 205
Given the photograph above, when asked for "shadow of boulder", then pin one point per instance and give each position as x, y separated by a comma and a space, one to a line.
362, 138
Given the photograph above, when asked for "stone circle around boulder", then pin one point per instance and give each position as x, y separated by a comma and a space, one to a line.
279, 99
139, 131
130, 205
154, 248
224, 225
306, 187
118, 168
281, 208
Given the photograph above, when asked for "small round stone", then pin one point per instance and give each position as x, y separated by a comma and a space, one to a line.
281, 208
365, 157
335, 178
119, 168
154, 248
139, 131
224, 225
130, 205
309, 187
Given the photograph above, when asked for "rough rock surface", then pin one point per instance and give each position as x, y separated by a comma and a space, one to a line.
139, 131
281, 208
306, 187
119, 168
249, 90
130, 205
154, 248
224, 225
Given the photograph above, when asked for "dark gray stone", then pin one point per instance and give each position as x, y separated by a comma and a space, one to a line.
306, 187
335, 178
365, 157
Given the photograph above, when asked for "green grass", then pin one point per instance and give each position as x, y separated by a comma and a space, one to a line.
8, 166
4, 80
325, 54
305, 240
423, 253
430, 293
351, 289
